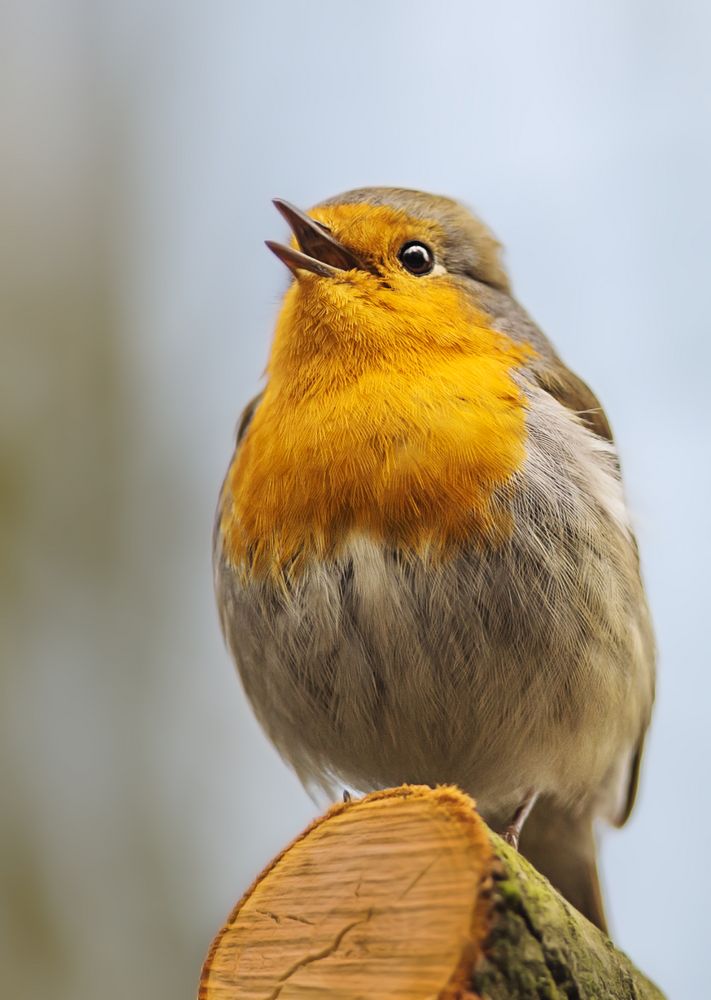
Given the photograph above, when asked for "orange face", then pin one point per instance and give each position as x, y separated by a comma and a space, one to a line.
390, 411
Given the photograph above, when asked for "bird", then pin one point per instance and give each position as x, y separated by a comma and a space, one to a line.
424, 562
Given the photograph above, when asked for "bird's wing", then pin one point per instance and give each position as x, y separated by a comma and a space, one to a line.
242, 425
632, 784
575, 395
570, 390
246, 417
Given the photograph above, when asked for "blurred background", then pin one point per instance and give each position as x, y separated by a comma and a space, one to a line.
141, 144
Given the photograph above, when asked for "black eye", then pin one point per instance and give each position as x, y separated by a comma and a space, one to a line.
416, 258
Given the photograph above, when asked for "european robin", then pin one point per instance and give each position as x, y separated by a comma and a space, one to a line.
424, 563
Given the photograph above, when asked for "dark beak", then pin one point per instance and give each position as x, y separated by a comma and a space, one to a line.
318, 251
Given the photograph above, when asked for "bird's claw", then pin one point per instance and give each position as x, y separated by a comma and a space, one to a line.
510, 835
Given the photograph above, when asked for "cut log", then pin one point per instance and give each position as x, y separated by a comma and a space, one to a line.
408, 894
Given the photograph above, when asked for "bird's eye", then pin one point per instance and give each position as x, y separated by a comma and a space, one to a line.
416, 258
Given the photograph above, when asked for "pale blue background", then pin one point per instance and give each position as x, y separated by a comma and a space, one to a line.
142, 143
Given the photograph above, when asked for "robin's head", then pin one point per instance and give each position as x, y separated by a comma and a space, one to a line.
382, 272
395, 234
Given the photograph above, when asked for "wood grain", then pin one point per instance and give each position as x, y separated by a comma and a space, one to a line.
379, 898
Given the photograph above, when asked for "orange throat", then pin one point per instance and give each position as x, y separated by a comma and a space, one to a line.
394, 417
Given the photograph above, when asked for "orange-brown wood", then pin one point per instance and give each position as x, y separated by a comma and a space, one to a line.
383, 897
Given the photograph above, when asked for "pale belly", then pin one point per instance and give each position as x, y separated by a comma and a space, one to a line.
495, 675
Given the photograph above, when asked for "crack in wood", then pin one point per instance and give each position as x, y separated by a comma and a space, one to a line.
285, 916
411, 885
318, 955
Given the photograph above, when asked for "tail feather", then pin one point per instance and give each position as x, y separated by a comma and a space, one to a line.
561, 845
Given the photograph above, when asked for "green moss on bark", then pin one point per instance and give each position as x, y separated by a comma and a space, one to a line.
541, 948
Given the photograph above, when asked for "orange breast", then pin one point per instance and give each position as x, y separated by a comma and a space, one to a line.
410, 442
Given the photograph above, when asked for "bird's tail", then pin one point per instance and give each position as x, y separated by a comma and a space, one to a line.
561, 845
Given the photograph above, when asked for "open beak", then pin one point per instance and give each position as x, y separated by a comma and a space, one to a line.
318, 251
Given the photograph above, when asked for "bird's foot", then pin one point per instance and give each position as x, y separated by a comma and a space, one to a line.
513, 831
510, 835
